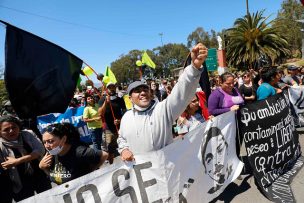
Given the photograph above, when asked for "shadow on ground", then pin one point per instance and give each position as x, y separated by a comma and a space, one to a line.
233, 190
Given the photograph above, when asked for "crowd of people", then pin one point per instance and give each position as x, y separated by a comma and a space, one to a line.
159, 113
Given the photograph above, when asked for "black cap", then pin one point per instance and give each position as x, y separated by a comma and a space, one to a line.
100, 76
292, 67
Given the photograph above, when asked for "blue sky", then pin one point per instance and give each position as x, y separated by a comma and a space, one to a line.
99, 31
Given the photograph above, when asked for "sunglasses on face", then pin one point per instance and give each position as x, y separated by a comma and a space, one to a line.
140, 89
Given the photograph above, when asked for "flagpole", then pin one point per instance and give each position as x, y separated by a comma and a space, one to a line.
90, 67
139, 64
140, 72
87, 77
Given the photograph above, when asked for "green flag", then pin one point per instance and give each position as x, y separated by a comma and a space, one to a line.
109, 76
78, 83
145, 59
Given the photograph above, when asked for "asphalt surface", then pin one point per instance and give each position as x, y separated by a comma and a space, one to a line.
245, 190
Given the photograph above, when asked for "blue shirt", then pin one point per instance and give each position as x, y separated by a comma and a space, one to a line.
265, 90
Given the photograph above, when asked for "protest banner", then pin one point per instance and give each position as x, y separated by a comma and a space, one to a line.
196, 168
272, 145
296, 97
71, 115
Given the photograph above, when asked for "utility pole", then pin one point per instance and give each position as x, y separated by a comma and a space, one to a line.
247, 7
161, 38
302, 30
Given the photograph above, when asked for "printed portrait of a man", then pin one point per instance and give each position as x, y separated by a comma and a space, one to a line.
214, 151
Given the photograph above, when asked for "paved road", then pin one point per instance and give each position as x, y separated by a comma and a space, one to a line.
245, 190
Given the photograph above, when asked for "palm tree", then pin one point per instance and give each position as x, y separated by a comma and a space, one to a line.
252, 38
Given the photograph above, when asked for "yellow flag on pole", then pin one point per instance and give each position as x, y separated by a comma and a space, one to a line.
109, 76
145, 59
127, 101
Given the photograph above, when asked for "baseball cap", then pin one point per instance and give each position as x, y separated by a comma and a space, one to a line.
110, 83
292, 67
100, 76
7, 103
135, 84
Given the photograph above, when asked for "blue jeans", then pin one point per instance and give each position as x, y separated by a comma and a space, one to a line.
96, 137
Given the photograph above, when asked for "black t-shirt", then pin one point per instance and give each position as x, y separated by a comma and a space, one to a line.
78, 161
247, 91
118, 106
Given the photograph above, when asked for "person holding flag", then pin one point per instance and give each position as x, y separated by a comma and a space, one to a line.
148, 126
111, 109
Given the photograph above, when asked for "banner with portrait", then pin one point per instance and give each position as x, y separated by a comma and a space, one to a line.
196, 168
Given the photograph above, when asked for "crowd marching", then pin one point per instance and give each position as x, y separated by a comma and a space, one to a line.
160, 112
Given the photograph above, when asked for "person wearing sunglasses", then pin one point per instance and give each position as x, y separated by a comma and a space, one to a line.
67, 157
20, 176
148, 126
248, 89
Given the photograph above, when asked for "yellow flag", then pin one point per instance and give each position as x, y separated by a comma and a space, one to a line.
109, 76
88, 71
145, 59
128, 102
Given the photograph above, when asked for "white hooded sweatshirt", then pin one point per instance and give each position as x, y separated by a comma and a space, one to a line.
151, 130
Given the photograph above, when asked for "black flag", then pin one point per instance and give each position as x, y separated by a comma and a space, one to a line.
40, 76
204, 79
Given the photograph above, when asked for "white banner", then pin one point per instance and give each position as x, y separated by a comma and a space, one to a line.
194, 169
296, 97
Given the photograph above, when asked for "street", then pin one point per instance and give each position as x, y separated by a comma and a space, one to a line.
245, 190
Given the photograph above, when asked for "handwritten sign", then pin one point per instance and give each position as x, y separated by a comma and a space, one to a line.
271, 143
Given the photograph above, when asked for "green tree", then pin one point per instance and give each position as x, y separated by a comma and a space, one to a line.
3, 91
165, 57
252, 38
291, 11
125, 68
168, 57
200, 35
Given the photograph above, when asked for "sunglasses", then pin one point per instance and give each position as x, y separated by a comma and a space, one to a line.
140, 89
49, 129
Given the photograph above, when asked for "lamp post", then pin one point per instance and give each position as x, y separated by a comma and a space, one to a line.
302, 30
161, 38
247, 7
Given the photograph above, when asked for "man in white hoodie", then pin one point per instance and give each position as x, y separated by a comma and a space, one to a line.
148, 126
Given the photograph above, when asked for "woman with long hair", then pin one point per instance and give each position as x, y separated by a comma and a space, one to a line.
67, 157
20, 150
94, 122
190, 118
226, 97
248, 89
